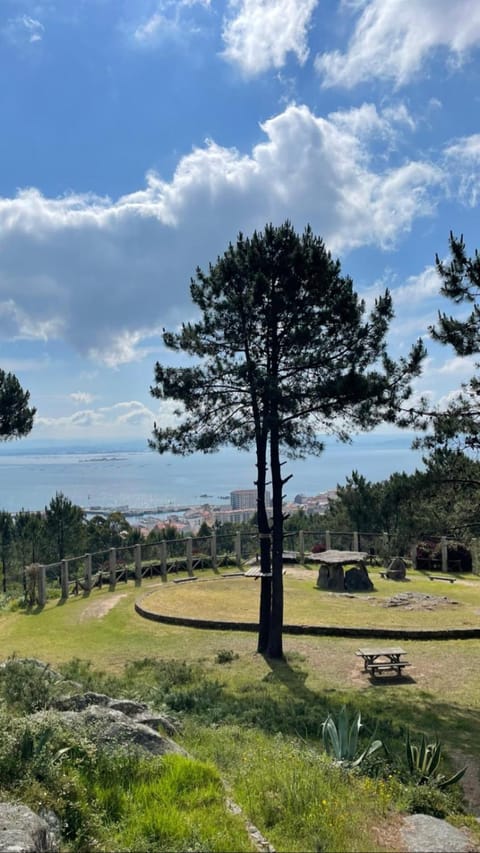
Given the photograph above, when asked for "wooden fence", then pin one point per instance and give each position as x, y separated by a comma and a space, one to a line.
116, 565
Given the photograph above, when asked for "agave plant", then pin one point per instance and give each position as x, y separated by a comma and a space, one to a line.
340, 739
423, 761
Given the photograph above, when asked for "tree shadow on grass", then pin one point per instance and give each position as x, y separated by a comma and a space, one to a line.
393, 711
292, 678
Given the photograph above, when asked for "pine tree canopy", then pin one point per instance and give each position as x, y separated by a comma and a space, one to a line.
281, 334
16, 418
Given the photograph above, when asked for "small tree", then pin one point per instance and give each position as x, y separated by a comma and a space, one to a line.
64, 525
285, 350
16, 418
6, 545
29, 536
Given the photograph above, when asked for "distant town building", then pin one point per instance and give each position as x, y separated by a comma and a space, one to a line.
236, 516
246, 499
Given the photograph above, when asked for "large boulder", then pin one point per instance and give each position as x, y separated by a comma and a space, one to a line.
331, 577
357, 579
137, 711
23, 831
109, 728
397, 569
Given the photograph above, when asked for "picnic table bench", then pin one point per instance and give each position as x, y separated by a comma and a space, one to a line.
383, 658
441, 578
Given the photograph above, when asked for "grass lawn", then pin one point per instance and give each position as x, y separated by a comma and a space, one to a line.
442, 687
248, 708
236, 599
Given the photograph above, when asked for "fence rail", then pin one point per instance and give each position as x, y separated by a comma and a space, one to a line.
81, 574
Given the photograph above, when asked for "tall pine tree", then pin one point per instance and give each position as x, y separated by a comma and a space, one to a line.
285, 351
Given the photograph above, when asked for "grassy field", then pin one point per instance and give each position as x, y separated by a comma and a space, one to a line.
236, 599
242, 713
104, 629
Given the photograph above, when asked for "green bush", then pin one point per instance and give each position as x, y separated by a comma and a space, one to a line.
225, 656
25, 685
428, 799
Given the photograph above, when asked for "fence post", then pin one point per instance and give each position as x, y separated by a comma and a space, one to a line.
444, 554
413, 556
137, 552
41, 586
238, 548
188, 544
328, 540
112, 562
386, 544
301, 546
355, 540
88, 571
163, 559
64, 579
474, 552
213, 551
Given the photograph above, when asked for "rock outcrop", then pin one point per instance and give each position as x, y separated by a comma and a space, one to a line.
23, 831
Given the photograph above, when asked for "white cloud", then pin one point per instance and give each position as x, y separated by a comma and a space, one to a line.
82, 397
458, 365
106, 275
261, 33
394, 38
418, 288
24, 29
170, 20
463, 164
128, 419
151, 28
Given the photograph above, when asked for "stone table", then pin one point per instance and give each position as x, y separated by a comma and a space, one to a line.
331, 575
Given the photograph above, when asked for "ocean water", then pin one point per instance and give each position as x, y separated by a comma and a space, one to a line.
117, 475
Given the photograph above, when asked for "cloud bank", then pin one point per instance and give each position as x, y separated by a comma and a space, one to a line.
393, 39
106, 275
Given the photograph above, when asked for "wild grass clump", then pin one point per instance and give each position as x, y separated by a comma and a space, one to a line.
225, 656
165, 804
115, 801
294, 793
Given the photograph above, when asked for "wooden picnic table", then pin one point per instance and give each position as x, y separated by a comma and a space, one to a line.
381, 658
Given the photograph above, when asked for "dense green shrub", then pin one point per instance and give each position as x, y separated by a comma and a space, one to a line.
26, 685
428, 799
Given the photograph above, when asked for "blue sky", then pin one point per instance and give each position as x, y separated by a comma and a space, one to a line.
139, 137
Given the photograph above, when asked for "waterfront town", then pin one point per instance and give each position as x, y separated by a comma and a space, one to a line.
243, 504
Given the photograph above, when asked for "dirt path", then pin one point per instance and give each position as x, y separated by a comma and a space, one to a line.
470, 783
98, 609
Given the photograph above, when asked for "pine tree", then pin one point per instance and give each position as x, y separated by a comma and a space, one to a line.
285, 351
16, 418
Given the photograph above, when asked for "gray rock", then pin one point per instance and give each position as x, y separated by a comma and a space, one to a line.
23, 831
126, 706
397, 569
109, 728
79, 701
422, 833
156, 720
357, 579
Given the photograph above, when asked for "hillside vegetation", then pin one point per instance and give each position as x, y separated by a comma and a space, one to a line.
251, 724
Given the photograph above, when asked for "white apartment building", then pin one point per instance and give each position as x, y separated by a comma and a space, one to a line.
246, 499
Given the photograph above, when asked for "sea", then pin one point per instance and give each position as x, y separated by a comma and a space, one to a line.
127, 476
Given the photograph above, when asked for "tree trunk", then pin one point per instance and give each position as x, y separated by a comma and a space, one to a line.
275, 640
265, 551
